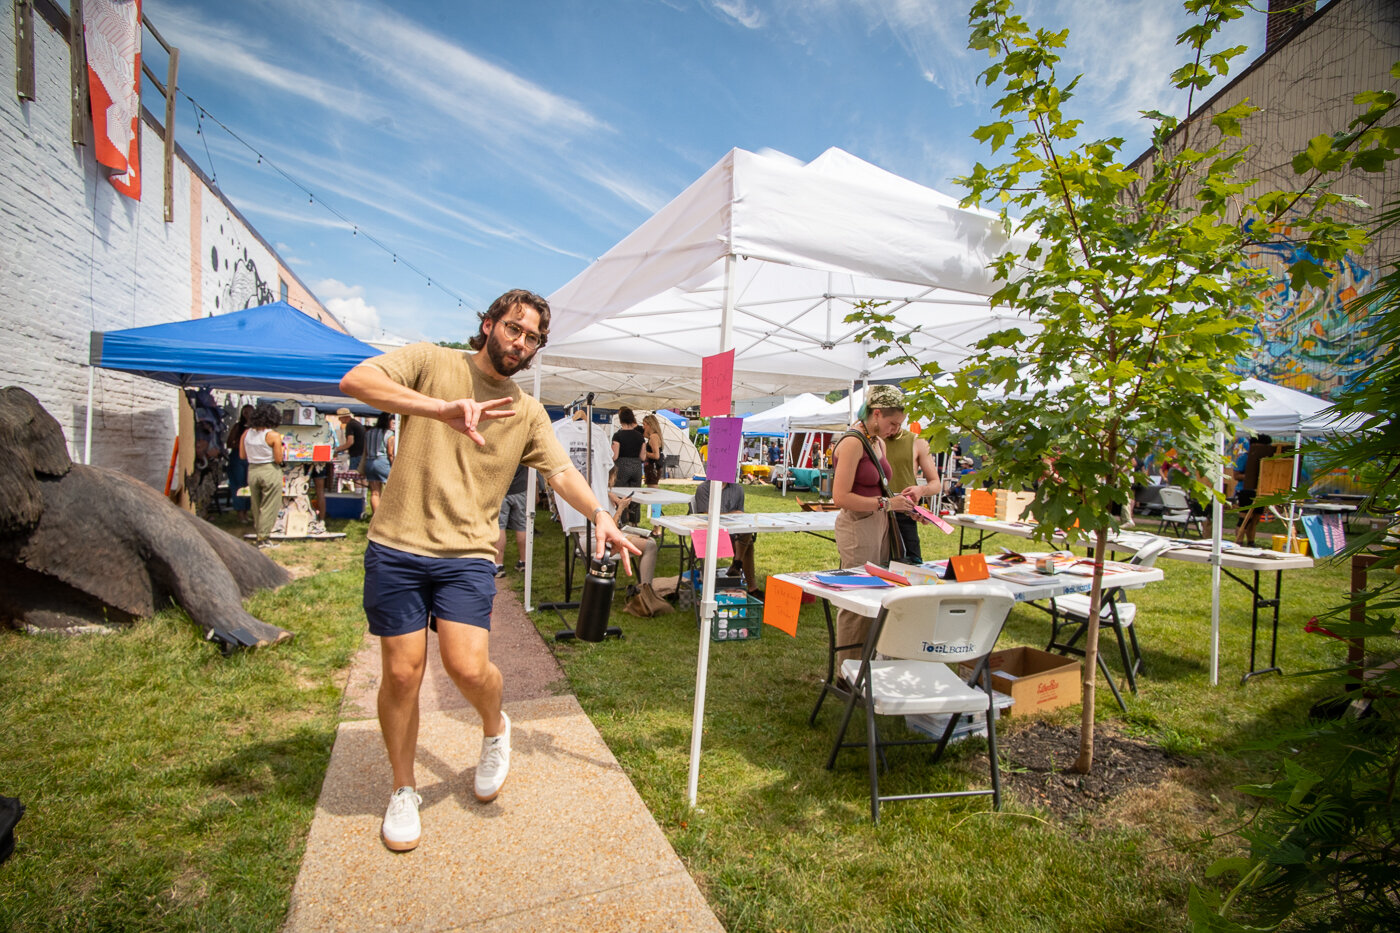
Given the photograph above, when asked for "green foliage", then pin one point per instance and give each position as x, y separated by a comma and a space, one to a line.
1324, 853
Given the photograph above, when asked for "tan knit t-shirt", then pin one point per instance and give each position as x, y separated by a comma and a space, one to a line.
444, 493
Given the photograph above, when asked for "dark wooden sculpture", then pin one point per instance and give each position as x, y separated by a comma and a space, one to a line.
82, 545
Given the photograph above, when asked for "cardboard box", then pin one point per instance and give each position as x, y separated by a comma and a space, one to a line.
1012, 506
1037, 681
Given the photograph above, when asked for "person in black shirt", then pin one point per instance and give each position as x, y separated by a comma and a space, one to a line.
354, 437
627, 446
731, 500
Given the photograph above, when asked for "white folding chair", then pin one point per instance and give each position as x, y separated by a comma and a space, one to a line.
905, 669
1176, 510
1120, 616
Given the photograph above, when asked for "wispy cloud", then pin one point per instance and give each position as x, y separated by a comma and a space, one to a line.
934, 35
241, 57
738, 11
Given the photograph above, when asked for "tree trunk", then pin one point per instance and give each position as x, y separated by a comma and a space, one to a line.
1085, 762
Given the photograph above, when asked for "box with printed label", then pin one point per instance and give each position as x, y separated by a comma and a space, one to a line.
1037, 681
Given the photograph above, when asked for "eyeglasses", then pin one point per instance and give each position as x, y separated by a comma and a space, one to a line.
515, 332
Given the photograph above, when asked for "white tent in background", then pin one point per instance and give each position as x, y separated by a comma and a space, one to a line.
778, 420
674, 440
766, 256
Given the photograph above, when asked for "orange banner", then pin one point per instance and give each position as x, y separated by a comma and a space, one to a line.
782, 601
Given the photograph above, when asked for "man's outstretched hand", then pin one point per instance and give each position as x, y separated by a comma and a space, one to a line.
465, 414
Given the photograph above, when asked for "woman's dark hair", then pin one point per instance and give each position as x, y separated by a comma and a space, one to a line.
626, 416
499, 307
265, 415
384, 421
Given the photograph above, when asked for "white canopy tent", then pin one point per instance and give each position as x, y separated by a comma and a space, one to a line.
766, 256
777, 420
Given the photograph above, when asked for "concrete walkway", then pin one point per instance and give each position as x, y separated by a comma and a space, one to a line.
568, 845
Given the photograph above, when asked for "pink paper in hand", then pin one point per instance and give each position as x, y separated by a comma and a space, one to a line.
933, 519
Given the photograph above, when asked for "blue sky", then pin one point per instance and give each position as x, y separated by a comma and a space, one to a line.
501, 145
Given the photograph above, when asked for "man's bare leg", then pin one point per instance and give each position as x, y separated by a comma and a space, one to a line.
467, 659
404, 659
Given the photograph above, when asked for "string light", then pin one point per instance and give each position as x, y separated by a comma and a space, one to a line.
201, 112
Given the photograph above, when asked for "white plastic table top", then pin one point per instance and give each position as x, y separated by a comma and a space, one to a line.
650, 495
751, 522
1130, 542
867, 600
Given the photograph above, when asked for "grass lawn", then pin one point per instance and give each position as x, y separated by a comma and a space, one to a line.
171, 788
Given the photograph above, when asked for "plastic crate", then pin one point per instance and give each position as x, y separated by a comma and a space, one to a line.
738, 617
933, 724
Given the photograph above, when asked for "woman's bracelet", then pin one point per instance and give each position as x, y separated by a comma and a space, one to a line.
594, 516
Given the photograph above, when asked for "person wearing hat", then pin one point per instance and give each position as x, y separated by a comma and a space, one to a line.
354, 444
858, 490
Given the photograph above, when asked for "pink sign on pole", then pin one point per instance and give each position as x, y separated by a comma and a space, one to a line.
724, 546
722, 455
716, 384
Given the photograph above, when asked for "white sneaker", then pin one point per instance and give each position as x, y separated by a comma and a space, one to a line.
401, 827
491, 770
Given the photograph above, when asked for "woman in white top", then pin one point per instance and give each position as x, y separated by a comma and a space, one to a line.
261, 446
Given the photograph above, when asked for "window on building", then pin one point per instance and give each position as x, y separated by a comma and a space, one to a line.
282, 285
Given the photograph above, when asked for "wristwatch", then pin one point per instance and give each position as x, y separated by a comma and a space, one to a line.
884, 503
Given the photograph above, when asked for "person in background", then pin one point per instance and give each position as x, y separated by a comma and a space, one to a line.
654, 452
237, 472
513, 513
378, 457
261, 446
909, 456
465, 427
354, 443
644, 541
862, 527
1247, 476
627, 445
731, 500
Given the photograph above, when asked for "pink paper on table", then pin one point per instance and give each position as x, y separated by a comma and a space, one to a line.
723, 546
933, 518
716, 384
722, 456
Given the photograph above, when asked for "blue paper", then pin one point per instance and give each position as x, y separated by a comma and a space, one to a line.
850, 580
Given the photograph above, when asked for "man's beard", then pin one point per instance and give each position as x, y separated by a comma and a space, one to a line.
496, 352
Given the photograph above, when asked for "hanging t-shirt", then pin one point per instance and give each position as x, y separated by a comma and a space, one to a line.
573, 435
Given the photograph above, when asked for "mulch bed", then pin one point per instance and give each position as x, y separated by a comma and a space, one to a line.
1038, 759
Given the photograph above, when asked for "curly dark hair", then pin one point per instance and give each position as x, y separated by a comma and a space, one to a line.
516, 296
265, 415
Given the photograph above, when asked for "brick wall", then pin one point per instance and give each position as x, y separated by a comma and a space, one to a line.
76, 256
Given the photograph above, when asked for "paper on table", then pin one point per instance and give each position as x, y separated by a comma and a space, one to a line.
724, 546
849, 581
782, 601
875, 570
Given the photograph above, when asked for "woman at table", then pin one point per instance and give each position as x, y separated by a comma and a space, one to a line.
653, 452
862, 525
261, 446
627, 446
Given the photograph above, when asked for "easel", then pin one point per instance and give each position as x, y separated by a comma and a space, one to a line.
612, 631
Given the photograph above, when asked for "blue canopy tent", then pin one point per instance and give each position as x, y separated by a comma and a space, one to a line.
273, 349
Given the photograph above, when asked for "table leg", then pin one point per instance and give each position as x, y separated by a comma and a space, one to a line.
1258, 602
828, 685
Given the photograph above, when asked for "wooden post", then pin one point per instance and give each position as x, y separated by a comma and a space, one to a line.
24, 49
186, 464
170, 135
1356, 647
77, 75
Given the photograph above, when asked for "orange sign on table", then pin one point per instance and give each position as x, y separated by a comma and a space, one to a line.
782, 601
968, 567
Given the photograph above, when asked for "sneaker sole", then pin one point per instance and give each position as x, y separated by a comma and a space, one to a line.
398, 846
482, 799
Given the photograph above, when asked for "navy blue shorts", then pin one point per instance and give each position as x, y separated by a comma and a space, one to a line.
403, 590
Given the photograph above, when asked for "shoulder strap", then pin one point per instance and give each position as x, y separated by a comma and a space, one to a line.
870, 452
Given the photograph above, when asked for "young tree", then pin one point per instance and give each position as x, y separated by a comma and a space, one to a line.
1133, 285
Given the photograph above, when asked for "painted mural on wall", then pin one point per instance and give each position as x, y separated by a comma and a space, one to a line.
239, 272
1305, 338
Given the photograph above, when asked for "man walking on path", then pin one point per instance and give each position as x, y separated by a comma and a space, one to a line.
430, 559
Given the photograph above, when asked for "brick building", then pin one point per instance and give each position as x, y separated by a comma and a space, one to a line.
76, 256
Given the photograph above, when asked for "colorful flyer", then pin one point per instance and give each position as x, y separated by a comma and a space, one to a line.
782, 601
724, 547
933, 518
716, 385
726, 443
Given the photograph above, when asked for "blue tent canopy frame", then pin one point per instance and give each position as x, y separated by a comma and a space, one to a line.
266, 350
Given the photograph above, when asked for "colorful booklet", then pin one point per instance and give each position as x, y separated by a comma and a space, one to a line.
898, 579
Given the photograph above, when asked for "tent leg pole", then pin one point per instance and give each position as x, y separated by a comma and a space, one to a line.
1217, 515
87, 426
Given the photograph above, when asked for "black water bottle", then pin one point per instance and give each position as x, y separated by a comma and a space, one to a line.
595, 604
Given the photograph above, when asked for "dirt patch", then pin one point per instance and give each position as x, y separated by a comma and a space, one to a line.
1038, 758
